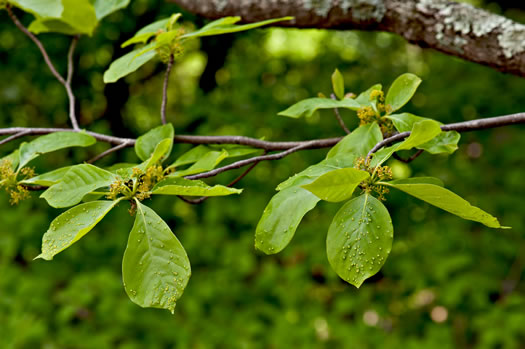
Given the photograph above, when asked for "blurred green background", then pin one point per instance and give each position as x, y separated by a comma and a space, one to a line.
448, 283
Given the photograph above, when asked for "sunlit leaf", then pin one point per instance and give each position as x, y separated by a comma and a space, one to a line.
104, 8
78, 17
338, 84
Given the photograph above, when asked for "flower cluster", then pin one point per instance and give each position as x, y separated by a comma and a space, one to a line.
376, 112
379, 173
9, 181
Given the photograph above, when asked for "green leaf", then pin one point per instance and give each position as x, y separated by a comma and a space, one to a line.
359, 239
52, 142
40, 8
207, 163
338, 84
155, 267
281, 217
77, 182
446, 142
186, 187
337, 185
422, 132
78, 17
104, 8
446, 200
128, 63
313, 172
143, 35
419, 180
49, 178
308, 106
160, 154
401, 91
227, 25
358, 142
146, 144
364, 97
72, 225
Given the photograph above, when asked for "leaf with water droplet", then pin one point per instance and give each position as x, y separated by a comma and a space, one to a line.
356, 234
62, 234
281, 217
148, 265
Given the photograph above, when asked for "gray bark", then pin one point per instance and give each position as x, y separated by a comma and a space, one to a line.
454, 28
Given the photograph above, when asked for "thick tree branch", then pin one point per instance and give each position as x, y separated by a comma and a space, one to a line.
457, 29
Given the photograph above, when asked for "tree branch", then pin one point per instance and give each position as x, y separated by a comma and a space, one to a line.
165, 90
56, 74
456, 29
107, 152
465, 126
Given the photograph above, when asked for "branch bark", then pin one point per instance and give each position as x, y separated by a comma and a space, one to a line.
456, 29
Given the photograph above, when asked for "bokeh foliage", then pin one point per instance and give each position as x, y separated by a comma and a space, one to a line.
447, 283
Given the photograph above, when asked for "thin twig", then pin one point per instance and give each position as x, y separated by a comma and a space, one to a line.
13, 137
107, 152
56, 74
37, 42
245, 162
69, 90
165, 90
339, 118
410, 159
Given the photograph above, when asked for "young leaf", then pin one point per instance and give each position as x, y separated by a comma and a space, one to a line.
186, 187
40, 8
146, 144
143, 35
52, 142
359, 239
446, 200
160, 154
78, 17
422, 132
281, 217
401, 91
208, 162
155, 267
104, 8
364, 97
128, 63
358, 142
313, 172
72, 225
77, 182
338, 84
337, 185
227, 25
446, 142
308, 106
49, 178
